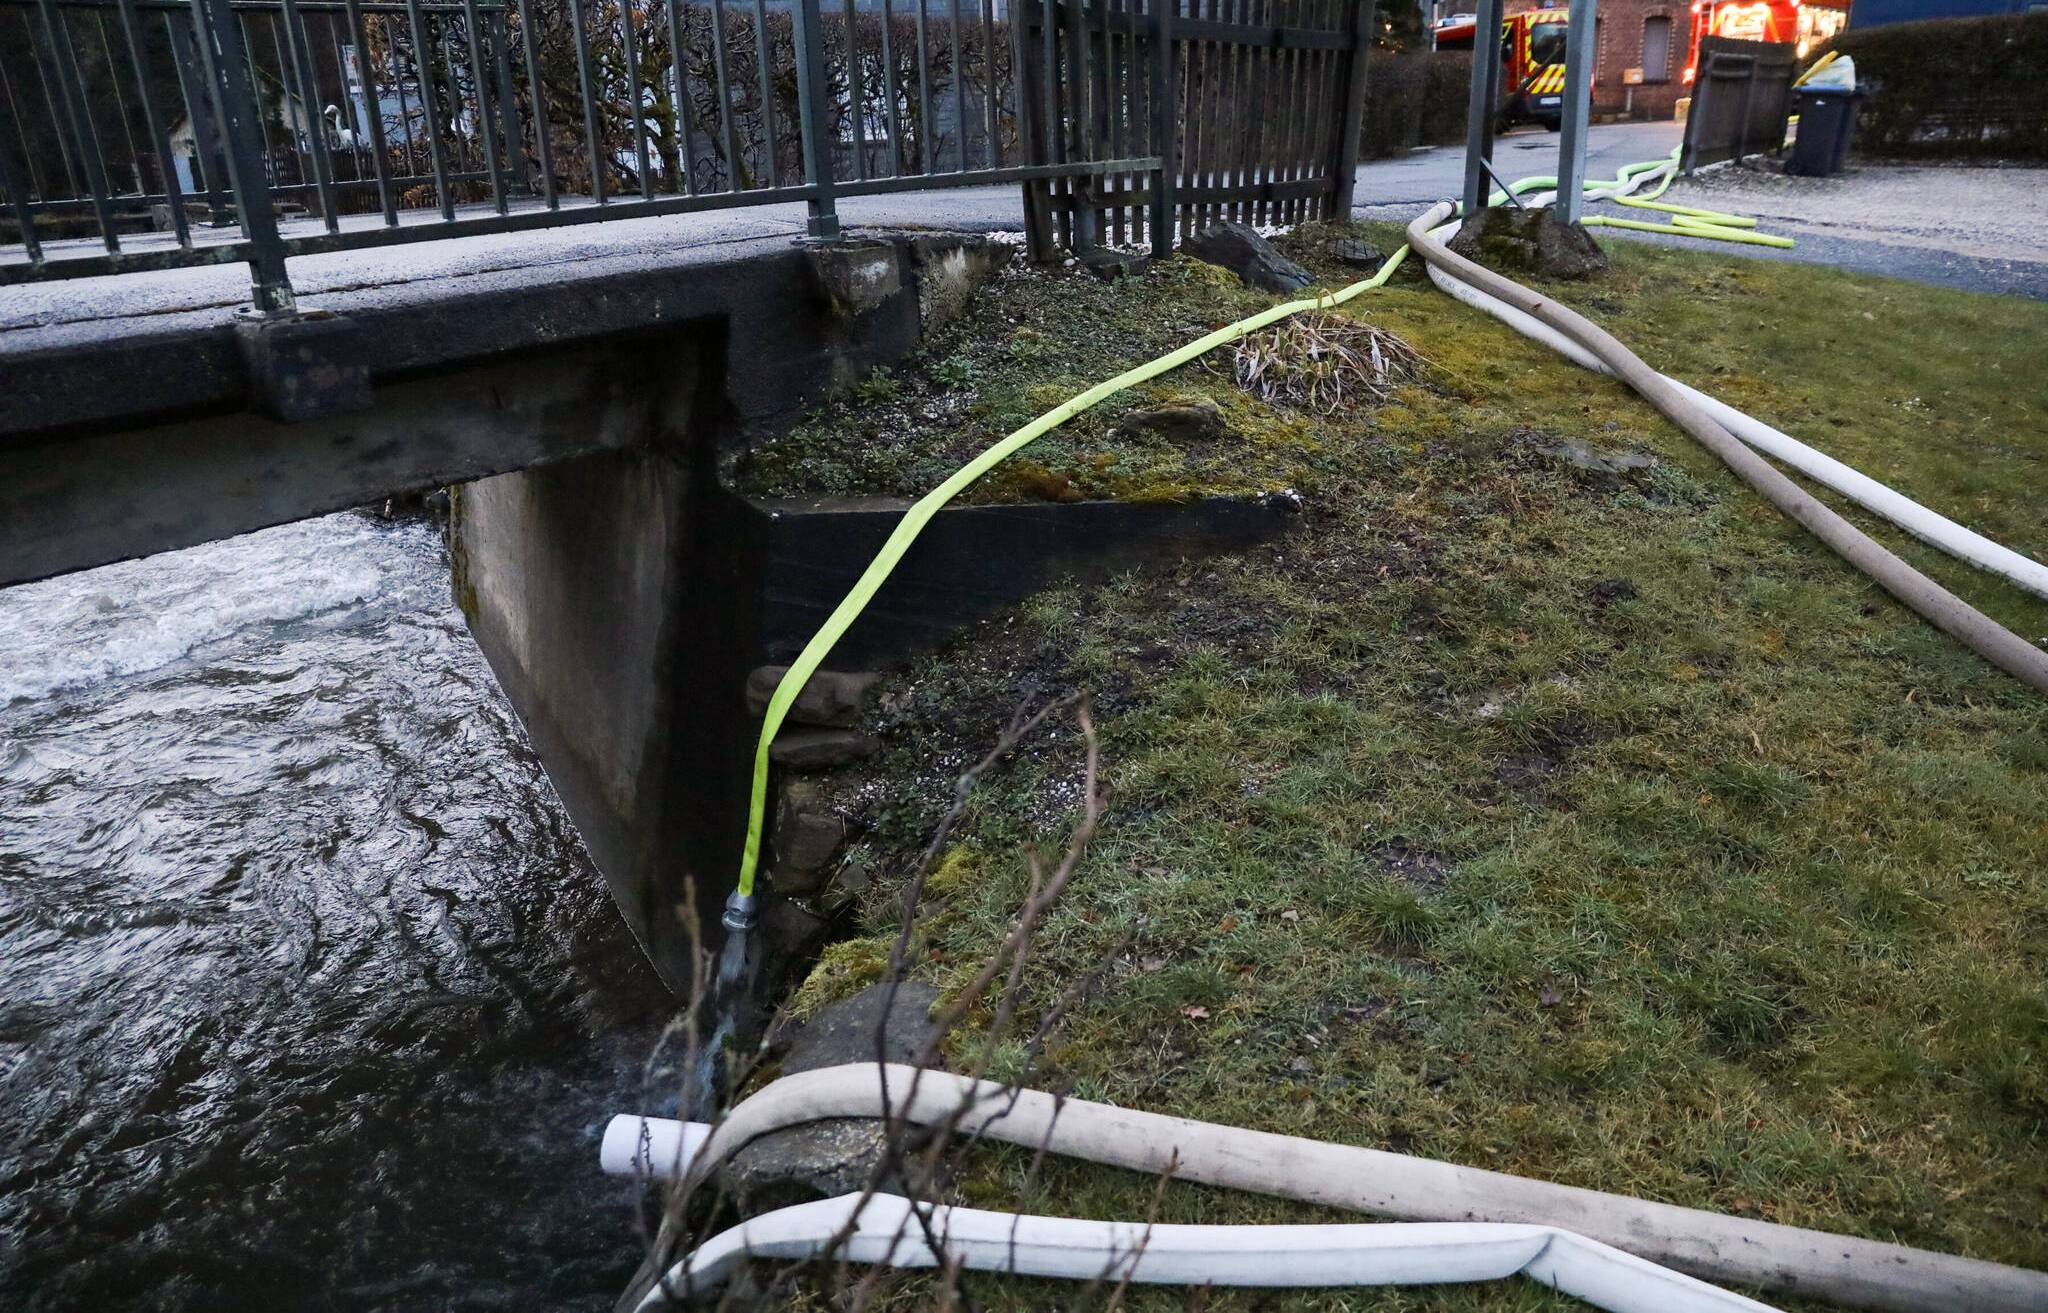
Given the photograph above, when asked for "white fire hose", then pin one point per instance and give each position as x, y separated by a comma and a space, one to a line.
1929, 526
1712, 1246
1685, 408
891, 1230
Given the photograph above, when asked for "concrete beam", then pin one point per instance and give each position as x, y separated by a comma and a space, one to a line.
71, 502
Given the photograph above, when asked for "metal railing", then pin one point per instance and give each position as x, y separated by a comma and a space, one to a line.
153, 134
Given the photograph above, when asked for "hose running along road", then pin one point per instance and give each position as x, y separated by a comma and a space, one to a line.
1711, 1246
890, 1229
1941, 608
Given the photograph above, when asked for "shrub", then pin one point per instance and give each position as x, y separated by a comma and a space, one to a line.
1414, 98
1969, 87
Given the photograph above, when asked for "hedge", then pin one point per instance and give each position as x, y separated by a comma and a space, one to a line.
1414, 98
1953, 87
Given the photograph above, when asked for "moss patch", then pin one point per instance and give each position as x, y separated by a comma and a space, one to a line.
843, 970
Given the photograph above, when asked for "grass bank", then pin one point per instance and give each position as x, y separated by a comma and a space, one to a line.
1598, 826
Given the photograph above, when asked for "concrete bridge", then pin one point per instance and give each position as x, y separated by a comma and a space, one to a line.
578, 409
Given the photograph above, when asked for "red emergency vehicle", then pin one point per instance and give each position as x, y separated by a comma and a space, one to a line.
1804, 24
1531, 63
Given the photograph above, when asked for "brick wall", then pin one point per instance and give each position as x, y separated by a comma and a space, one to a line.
1619, 41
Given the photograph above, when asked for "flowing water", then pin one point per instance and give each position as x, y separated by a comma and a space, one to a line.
309, 997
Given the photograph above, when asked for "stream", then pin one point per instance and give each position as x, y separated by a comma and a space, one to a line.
309, 997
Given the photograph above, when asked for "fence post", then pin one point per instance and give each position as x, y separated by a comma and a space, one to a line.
1344, 169
813, 106
1040, 237
1480, 107
1578, 108
226, 69
1165, 127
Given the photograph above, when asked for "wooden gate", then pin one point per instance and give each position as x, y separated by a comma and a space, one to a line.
1740, 100
1253, 106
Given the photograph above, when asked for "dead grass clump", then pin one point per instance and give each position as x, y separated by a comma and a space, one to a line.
1323, 362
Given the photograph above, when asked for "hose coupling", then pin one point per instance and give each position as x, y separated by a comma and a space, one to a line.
742, 912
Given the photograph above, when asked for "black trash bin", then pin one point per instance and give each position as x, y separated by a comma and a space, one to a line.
1827, 119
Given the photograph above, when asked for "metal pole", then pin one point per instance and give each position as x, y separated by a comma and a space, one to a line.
1480, 107
1578, 108
814, 107
226, 70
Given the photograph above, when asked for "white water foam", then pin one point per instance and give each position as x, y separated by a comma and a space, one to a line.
83, 628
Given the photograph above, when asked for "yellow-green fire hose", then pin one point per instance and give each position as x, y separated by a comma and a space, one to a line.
1702, 223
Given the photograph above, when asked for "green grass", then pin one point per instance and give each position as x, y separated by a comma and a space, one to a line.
1725, 887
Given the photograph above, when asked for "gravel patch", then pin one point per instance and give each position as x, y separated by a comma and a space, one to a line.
1984, 213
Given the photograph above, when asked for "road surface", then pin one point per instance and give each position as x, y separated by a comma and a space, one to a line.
1948, 254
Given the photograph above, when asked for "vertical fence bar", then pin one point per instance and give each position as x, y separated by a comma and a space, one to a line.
160, 145
1165, 140
686, 157
811, 92
890, 124
592, 142
1138, 125
1189, 124
373, 110
1231, 140
121, 116
988, 76
543, 148
30, 180
926, 159
72, 120
17, 200
1031, 114
285, 79
423, 83
206, 157
314, 120
629, 41
1113, 105
1086, 231
345, 105
764, 71
1262, 111
856, 92
445, 79
225, 68
481, 82
728, 137
959, 89
519, 173
1015, 26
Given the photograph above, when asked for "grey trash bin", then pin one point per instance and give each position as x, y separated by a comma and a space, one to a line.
1827, 119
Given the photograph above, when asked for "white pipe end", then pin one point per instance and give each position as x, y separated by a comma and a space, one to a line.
650, 1148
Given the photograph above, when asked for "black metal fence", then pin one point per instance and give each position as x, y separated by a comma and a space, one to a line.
1740, 100
1260, 102
151, 134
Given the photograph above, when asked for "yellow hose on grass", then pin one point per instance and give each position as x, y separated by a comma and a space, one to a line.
1703, 223
921, 512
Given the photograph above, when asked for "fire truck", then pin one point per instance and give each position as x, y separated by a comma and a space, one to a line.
1531, 63
1801, 22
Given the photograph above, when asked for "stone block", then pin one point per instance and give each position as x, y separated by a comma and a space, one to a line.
1239, 248
833, 699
